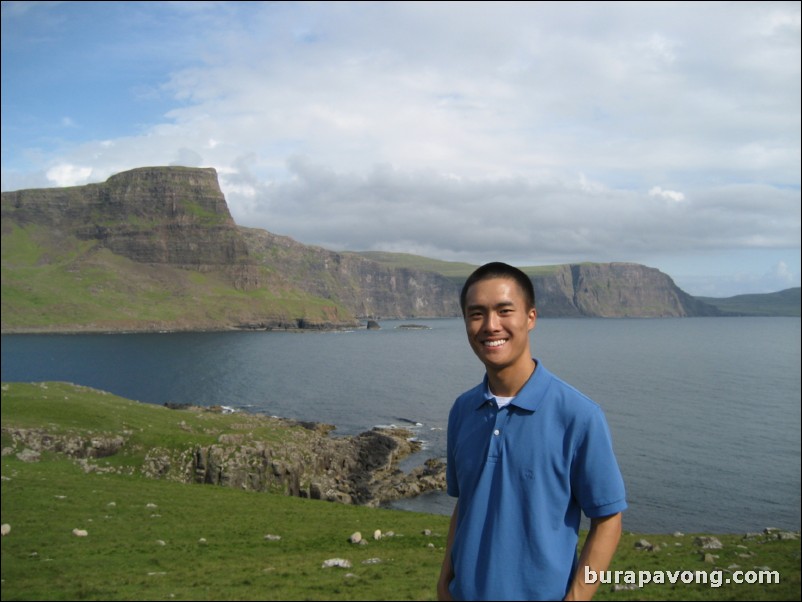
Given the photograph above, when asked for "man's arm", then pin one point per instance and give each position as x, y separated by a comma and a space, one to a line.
597, 553
447, 570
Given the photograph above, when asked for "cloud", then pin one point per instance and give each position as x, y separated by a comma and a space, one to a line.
528, 131
188, 158
531, 220
670, 195
68, 175
782, 276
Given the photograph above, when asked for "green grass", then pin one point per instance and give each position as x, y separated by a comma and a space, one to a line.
782, 303
454, 270
145, 542
450, 269
64, 408
52, 285
157, 539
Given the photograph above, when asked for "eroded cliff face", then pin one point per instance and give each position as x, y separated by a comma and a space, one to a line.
614, 290
365, 287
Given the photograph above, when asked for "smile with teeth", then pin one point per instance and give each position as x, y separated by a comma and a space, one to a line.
497, 343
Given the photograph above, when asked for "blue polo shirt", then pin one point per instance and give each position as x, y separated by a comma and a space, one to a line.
523, 475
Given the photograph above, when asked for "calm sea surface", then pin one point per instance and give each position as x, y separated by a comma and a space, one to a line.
705, 412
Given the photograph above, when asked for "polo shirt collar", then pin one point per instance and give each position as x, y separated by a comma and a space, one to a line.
529, 397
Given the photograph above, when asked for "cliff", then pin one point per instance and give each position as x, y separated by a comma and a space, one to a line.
367, 288
157, 215
156, 248
614, 290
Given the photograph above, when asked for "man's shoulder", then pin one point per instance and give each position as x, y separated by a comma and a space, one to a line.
564, 396
473, 394
467, 401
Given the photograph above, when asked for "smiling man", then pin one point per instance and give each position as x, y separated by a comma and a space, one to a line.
527, 454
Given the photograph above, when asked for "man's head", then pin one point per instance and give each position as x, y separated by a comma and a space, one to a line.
499, 312
497, 269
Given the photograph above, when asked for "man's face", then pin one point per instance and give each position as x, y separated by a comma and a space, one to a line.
498, 321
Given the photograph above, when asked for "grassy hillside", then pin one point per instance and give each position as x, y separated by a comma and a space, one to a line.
450, 269
455, 270
51, 283
156, 540
782, 303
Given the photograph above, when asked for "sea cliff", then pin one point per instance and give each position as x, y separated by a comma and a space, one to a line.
156, 248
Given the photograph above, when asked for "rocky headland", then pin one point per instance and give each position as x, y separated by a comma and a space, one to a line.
304, 460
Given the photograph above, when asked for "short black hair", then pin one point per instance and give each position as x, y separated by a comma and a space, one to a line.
497, 269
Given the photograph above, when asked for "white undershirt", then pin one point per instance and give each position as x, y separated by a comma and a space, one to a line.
503, 401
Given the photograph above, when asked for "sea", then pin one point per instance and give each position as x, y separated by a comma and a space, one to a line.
704, 412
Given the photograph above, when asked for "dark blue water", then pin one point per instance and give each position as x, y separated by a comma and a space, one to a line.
705, 412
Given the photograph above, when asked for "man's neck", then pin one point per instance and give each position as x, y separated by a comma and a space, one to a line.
508, 381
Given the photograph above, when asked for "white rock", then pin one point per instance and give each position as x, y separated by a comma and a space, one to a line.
80, 532
336, 562
271, 537
5, 529
356, 537
377, 534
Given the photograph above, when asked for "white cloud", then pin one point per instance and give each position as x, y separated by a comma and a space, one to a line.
782, 274
669, 195
68, 175
460, 129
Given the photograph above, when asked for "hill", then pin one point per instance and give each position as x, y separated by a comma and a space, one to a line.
783, 303
156, 248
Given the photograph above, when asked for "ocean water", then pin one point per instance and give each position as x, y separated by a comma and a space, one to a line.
705, 412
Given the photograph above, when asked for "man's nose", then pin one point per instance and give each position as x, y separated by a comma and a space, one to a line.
492, 322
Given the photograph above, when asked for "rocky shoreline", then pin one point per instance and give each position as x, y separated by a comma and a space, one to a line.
299, 325
308, 462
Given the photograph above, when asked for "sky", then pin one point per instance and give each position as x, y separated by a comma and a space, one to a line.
660, 133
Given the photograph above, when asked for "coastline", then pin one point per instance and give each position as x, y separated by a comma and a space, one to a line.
216, 445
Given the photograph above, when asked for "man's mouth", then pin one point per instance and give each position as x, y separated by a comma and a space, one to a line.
495, 343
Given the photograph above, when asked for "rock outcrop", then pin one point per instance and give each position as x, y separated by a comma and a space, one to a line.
308, 463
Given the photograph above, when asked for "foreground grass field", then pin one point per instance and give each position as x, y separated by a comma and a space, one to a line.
157, 540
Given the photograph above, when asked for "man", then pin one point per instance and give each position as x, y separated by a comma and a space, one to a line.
527, 453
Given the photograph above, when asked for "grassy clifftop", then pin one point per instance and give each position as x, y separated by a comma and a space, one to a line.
144, 538
58, 282
782, 303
